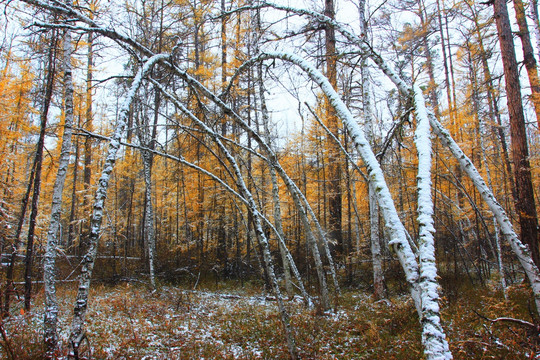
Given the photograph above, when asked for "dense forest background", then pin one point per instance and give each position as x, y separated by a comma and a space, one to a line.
228, 159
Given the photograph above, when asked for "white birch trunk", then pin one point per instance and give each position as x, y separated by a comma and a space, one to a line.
279, 229
376, 256
149, 230
378, 276
500, 264
433, 337
50, 319
81, 303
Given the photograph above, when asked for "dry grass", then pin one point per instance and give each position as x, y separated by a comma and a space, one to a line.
131, 322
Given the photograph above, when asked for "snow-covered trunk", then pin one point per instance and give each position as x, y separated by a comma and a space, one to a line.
87, 263
433, 337
50, 319
149, 231
376, 256
519, 249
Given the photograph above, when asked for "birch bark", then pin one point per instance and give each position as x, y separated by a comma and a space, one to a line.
378, 275
49, 264
49, 85
433, 337
87, 266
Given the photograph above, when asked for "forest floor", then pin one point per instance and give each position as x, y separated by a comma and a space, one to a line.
132, 322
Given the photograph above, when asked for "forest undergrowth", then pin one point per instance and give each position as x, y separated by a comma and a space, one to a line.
221, 321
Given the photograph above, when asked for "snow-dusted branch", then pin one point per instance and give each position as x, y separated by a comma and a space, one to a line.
343, 150
58, 7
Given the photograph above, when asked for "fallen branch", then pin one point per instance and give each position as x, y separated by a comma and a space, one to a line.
524, 323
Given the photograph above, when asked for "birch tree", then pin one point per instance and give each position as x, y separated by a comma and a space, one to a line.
378, 276
81, 304
49, 264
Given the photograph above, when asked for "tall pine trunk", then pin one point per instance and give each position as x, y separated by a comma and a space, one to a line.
334, 160
528, 57
525, 205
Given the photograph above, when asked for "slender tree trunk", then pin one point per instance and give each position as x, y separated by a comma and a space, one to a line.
79, 312
432, 86
376, 256
275, 193
528, 57
87, 172
334, 160
525, 205
149, 232
481, 132
49, 265
536, 22
37, 179
74, 197
444, 59
16, 242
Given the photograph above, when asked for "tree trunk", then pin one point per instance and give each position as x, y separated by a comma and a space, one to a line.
334, 160
378, 276
528, 57
49, 265
536, 22
525, 205
37, 179
16, 243
87, 172
81, 303
149, 232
